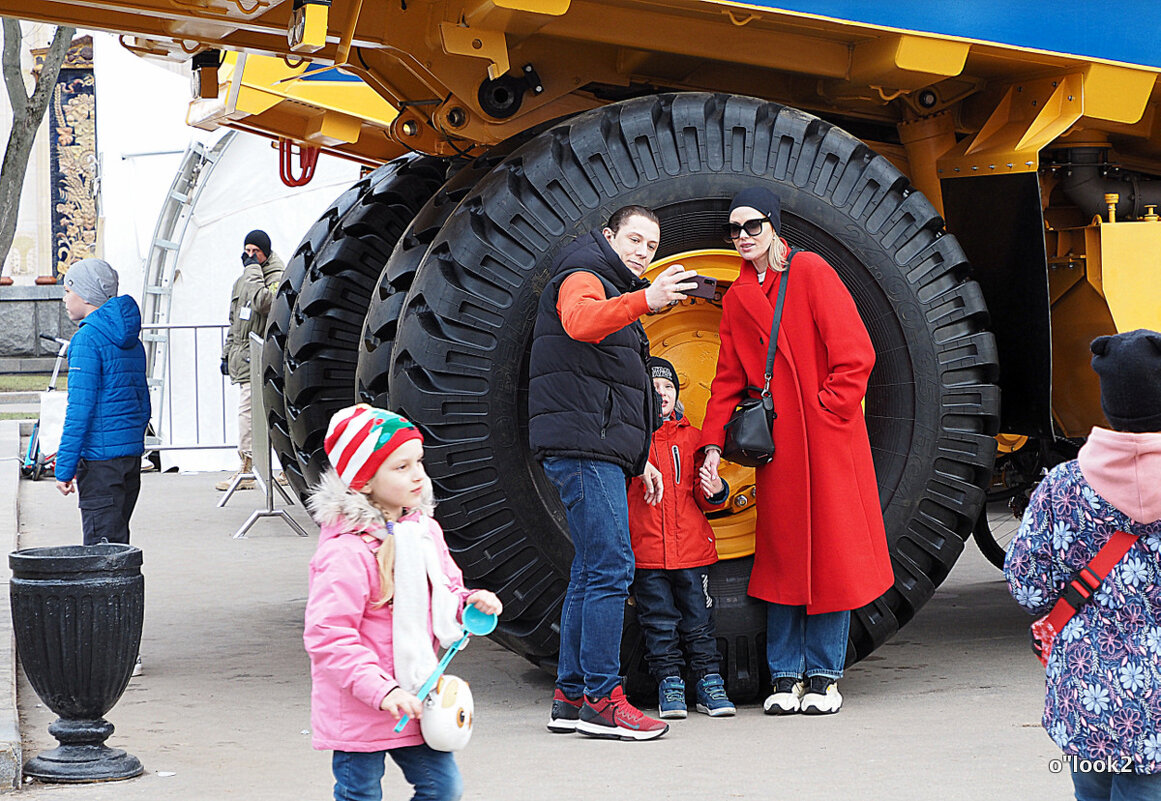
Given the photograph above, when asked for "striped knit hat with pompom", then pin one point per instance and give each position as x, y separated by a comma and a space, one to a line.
361, 437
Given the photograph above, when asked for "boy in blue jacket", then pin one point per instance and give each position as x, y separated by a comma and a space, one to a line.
104, 430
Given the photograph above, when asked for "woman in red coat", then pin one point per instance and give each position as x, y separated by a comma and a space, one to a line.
820, 549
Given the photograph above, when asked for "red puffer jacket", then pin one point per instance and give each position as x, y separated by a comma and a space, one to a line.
674, 534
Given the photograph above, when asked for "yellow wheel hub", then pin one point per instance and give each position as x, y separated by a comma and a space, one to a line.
1007, 443
687, 335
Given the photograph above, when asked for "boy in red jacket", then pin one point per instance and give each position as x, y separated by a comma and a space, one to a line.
673, 545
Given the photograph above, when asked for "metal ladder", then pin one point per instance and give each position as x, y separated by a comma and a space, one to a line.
161, 266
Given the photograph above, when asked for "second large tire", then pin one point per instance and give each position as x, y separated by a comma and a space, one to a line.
321, 344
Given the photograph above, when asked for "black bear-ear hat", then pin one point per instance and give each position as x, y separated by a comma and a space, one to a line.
1129, 366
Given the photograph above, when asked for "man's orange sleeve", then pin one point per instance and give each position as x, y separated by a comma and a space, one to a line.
588, 315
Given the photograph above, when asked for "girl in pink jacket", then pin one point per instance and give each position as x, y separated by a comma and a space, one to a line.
384, 595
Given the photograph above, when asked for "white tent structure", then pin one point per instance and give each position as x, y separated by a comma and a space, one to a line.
141, 137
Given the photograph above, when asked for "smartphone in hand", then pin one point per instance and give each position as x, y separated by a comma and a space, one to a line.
706, 287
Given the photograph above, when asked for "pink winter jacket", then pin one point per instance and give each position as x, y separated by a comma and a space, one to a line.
348, 638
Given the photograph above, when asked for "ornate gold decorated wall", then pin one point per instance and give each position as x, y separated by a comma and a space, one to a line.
73, 166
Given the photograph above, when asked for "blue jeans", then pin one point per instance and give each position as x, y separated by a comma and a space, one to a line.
1117, 786
597, 507
798, 644
432, 773
673, 603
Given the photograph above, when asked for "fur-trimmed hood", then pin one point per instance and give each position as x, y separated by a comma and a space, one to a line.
335, 506
332, 503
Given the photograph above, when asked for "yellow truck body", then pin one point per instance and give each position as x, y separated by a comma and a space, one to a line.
908, 140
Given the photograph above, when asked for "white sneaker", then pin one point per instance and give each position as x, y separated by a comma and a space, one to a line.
786, 698
821, 697
136, 667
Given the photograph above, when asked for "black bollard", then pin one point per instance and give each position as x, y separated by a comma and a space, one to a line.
77, 612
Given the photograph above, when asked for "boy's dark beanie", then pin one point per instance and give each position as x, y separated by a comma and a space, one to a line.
1129, 366
660, 368
259, 238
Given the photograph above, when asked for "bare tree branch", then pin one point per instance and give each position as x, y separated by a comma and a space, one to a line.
27, 114
53, 59
13, 78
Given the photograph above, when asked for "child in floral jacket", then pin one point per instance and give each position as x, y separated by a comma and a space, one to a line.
1104, 673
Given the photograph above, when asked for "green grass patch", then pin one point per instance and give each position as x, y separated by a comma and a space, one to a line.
17, 415
30, 382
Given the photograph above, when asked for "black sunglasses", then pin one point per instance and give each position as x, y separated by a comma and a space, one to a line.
731, 231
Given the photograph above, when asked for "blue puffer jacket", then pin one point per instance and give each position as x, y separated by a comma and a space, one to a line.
108, 395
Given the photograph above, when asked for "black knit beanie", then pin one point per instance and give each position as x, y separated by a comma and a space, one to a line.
1129, 366
259, 238
762, 199
660, 368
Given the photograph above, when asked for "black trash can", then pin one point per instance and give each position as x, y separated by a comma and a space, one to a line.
77, 612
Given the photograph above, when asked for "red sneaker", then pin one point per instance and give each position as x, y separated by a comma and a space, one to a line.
614, 718
565, 713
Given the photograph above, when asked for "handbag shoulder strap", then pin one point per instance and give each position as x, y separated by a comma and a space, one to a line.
777, 322
1079, 591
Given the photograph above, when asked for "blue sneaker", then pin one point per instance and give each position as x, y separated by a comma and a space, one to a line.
671, 697
712, 698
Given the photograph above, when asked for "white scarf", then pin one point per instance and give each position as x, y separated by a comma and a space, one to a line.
422, 592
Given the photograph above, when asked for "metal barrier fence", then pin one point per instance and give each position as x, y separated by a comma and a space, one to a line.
192, 386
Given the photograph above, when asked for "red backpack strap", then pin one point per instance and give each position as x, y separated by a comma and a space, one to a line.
1087, 580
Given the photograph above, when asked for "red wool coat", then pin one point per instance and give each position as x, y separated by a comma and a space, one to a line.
820, 540
674, 534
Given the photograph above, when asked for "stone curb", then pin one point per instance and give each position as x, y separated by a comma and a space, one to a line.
11, 754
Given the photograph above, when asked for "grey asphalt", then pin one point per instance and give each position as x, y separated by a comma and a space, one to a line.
950, 708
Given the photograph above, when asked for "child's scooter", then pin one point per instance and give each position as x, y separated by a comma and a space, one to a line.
474, 622
47, 429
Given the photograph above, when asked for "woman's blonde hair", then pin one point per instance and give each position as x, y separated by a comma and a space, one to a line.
385, 553
778, 253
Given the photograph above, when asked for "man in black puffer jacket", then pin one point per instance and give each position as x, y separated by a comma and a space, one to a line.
591, 414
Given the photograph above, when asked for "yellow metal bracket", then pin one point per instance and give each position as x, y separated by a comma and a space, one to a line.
1031, 115
344, 50
1035, 113
903, 62
460, 40
308, 28
554, 8
1124, 261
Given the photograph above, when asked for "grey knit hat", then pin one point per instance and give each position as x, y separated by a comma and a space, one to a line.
93, 279
1129, 366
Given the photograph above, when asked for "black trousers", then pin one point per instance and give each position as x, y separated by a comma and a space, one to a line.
108, 492
675, 609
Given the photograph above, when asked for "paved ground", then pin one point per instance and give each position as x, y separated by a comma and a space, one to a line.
949, 709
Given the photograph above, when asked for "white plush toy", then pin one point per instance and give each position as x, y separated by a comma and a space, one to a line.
447, 714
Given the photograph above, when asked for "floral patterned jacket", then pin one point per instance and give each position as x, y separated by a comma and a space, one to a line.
1104, 674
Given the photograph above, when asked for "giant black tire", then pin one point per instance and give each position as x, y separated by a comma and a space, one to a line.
321, 347
459, 364
273, 391
381, 323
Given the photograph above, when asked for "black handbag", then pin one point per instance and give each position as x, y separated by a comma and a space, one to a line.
750, 429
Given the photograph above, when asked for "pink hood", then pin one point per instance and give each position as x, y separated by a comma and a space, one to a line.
1125, 469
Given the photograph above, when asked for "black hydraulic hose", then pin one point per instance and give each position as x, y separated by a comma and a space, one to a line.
1085, 182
